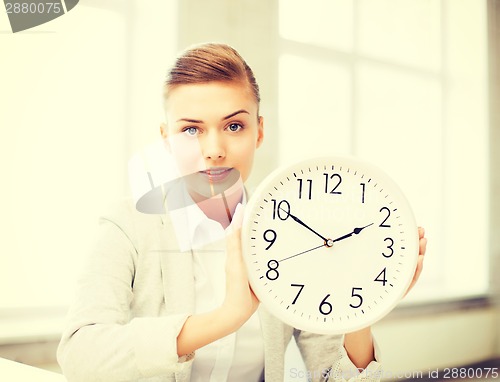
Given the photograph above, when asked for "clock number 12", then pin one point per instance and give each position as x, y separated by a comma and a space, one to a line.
331, 177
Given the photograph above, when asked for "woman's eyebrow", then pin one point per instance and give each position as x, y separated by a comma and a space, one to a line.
190, 120
235, 113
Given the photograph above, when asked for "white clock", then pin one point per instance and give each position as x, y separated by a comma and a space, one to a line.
330, 244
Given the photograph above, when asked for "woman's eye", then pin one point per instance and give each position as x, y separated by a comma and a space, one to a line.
190, 130
234, 127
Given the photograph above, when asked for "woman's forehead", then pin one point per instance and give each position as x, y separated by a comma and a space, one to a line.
222, 97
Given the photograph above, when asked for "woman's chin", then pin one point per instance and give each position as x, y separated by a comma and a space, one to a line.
209, 184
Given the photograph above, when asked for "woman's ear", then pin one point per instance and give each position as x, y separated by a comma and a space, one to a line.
260, 132
164, 136
163, 130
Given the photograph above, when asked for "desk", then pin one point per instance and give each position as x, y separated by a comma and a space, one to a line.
14, 371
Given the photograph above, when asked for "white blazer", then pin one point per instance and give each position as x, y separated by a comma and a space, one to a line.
134, 295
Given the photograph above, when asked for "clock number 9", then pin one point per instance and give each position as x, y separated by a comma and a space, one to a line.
325, 307
270, 240
272, 273
280, 211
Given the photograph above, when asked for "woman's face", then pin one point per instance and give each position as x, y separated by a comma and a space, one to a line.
212, 130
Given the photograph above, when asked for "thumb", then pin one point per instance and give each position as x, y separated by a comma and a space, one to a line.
237, 219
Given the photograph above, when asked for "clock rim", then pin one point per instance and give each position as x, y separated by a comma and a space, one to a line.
252, 202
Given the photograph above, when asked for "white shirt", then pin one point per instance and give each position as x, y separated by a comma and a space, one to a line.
239, 356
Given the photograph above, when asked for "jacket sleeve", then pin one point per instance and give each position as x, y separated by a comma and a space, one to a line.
326, 359
101, 341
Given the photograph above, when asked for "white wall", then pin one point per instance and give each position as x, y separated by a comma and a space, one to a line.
251, 27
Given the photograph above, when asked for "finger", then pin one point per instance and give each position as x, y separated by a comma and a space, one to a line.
237, 219
253, 293
233, 242
420, 267
418, 271
421, 232
422, 246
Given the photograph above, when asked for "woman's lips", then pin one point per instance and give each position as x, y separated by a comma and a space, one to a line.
217, 174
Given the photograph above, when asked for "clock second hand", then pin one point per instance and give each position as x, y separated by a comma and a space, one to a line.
301, 253
328, 243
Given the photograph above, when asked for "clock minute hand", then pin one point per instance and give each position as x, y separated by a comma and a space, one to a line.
355, 231
304, 225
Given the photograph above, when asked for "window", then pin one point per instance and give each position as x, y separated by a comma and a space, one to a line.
403, 85
67, 133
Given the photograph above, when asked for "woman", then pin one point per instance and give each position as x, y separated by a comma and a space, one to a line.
167, 298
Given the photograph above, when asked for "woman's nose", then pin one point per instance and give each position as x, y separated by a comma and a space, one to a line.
213, 147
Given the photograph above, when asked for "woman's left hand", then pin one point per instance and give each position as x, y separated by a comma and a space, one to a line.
422, 245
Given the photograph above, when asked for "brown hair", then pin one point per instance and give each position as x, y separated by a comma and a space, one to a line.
211, 62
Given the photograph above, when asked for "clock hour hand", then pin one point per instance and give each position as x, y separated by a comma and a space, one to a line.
355, 231
304, 225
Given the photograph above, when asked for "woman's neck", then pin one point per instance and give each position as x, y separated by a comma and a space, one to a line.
221, 207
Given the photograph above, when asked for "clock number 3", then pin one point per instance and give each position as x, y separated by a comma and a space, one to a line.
389, 247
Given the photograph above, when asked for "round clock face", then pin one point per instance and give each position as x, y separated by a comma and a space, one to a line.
330, 244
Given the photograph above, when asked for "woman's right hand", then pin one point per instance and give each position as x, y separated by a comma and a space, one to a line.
240, 302
238, 306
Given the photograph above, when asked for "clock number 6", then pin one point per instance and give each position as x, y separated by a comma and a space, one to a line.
325, 307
